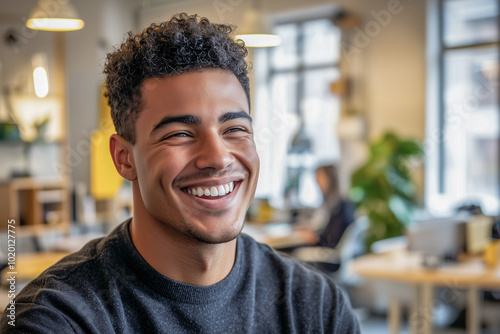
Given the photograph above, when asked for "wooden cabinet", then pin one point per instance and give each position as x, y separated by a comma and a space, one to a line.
35, 203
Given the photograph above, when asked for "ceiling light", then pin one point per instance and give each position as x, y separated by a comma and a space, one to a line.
255, 31
260, 40
52, 15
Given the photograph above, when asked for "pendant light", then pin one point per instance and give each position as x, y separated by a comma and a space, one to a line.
51, 15
255, 30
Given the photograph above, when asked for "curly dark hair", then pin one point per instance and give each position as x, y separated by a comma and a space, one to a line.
185, 43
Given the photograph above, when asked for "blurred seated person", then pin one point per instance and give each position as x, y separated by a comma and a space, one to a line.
338, 212
328, 223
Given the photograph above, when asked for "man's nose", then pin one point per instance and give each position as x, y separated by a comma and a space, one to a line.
214, 153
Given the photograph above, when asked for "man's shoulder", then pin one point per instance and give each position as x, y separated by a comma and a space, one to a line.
70, 291
88, 256
76, 271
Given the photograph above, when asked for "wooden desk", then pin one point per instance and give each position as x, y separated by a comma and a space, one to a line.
279, 235
402, 266
29, 266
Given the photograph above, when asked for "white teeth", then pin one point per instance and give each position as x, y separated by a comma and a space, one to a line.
219, 190
214, 192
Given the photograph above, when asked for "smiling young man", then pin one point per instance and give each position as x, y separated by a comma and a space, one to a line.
194, 169
179, 97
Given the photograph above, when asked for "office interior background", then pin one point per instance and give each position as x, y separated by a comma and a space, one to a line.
406, 89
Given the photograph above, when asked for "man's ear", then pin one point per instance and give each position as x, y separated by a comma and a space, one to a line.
121, 153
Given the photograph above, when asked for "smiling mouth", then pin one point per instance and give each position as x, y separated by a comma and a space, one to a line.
211, 192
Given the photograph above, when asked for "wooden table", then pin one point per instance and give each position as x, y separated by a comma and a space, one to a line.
279, 235
402, 266
29, 266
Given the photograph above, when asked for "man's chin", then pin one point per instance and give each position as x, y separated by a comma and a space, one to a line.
215, 238
214, 241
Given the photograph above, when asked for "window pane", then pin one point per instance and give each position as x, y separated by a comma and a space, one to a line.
283, 122
284, 93
470, 21
285, 54
483, 177
320, 111
321, 42
472, 125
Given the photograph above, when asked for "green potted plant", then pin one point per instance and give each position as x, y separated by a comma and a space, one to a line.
382, 188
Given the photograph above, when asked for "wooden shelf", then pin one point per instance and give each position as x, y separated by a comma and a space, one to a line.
34, 202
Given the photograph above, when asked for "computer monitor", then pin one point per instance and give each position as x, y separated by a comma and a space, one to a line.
441, 237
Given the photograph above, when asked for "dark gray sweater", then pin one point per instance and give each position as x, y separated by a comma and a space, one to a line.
107, 287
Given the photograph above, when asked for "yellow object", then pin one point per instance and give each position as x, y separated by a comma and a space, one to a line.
265, 211
491, 253
478, 234
105, 180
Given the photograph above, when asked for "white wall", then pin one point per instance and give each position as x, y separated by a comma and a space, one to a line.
16, 69
16, 57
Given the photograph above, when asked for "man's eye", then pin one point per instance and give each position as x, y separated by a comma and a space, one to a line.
236, 130
176, 135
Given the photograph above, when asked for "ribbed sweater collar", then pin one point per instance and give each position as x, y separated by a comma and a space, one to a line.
181, 292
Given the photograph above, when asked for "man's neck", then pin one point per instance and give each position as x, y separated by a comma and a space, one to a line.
182, 258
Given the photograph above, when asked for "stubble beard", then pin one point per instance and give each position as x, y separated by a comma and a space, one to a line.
206, 238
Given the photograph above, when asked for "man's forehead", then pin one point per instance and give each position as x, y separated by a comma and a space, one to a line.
153, 82
186, 88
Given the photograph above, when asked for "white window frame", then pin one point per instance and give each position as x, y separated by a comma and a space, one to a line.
437, 201
273, 127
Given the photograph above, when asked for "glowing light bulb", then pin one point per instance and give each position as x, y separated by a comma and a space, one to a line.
41, 81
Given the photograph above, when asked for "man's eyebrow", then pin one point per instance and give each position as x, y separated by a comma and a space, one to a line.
232, 115
185, 119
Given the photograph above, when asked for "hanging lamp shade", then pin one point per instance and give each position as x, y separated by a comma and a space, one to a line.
255, 30
54, 16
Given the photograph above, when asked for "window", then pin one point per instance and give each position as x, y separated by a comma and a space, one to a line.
463, 123
296, 111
